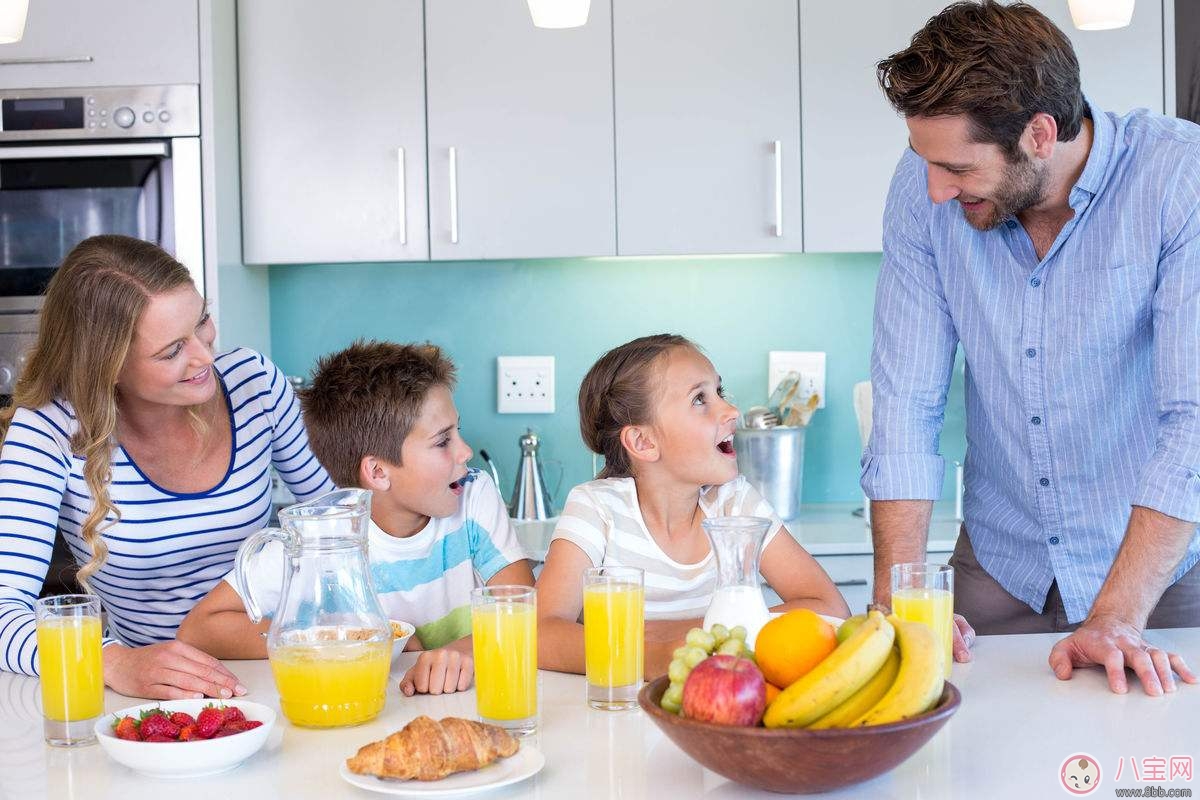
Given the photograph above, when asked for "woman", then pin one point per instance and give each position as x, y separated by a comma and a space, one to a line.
149, 452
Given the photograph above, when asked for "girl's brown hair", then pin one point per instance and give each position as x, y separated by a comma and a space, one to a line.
619, 390
998, 64
91, 310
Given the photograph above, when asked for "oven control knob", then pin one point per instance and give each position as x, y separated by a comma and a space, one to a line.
124, 116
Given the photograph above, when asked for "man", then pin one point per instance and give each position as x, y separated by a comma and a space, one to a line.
1060, 245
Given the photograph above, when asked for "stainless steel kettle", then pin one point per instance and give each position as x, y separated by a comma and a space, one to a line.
530, 498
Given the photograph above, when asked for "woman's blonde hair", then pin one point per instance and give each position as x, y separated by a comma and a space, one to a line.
91, 310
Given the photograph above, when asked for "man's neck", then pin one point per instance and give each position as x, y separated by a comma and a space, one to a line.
1066, 165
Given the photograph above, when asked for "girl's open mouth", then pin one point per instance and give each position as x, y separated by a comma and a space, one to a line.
726, 446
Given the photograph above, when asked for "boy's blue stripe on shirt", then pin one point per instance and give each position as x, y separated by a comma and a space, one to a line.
471, 542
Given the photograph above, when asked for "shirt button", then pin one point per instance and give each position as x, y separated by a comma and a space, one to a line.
1053, 540
1044, 481
1012, 223
1036, 282
1031, 352
1036, 420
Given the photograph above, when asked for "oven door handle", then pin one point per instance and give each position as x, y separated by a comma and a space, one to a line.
116, 149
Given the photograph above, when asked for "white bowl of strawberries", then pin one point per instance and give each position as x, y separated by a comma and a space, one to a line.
185, 738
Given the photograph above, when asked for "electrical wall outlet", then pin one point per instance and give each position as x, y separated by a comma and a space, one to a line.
525, 384
811, 367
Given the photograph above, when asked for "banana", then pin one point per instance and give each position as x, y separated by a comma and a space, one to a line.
842, 673
918, 685
865, 698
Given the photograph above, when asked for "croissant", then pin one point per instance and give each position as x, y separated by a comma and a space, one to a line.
429, 750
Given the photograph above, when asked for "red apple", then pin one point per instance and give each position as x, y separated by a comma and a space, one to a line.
727, 690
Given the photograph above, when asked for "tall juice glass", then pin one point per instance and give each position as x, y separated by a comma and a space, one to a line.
613, 636
504, 636
925, 593
72, 674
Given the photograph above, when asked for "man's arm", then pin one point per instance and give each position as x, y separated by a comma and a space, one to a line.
899, 530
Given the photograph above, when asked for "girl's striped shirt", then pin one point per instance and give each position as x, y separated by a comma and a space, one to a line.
168, 549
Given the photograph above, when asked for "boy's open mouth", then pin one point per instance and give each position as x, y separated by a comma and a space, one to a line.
457, 486
726, 446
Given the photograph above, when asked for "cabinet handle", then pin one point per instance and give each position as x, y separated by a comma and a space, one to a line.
403, 198
778, 188
453, 195
851, 582
13, 62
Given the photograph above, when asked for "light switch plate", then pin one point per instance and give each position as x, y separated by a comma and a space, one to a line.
525, 384
810, 365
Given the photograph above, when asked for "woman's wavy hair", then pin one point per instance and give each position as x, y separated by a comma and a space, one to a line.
997, 64
91, 310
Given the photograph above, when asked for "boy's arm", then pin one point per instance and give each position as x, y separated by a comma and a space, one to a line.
799, 579
517, 573
218, 625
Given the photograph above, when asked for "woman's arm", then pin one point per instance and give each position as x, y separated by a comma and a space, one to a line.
517, 573
218, 625
798, 579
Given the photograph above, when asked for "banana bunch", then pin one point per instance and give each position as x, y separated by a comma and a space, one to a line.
884, 670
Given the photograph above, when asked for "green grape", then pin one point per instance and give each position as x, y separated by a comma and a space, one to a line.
731, 647
672, 699
748, 653
680, 651
738, 632
719, 632
678, 671
702, 639
693, 656
671, 706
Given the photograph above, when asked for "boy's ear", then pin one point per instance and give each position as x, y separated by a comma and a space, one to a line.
374, 473
639, 443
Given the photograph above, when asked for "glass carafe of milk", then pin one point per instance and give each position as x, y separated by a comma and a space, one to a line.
738, 599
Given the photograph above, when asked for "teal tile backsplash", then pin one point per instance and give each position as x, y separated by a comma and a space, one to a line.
736, 308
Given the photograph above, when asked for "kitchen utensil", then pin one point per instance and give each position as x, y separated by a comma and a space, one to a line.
785, 392
772, 461
761, 418
797, 760
530, 498
329, 643
738, 598
491, 466
798, 416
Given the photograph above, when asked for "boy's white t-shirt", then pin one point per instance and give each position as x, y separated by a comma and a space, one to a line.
603, 519
425, 579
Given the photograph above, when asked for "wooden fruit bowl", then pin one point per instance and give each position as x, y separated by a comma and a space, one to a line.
798, 761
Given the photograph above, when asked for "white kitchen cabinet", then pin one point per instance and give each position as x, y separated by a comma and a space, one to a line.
77, 43
853, 138
708, 126
520, 133
332, 106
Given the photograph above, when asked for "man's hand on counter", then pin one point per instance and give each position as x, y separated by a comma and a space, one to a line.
1116, 645
964, 639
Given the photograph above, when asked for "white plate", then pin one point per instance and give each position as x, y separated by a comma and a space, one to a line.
517, 767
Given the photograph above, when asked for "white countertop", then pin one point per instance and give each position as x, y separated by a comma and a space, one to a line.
1016, 725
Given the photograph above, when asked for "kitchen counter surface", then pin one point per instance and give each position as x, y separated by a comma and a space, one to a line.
1016, 726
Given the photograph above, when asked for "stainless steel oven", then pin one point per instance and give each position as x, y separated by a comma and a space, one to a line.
80, 162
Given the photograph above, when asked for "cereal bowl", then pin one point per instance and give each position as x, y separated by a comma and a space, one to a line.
401, 633
190, 759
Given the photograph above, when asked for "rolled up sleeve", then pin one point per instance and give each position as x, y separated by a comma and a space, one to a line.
913, 352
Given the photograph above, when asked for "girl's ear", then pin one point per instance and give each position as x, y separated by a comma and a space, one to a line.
374, 473
639, 443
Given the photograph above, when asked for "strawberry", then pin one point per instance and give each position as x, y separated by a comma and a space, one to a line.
127, 728
208, 722
187, 733
232, 714
157, 723
237, 726
182, 719
158, 737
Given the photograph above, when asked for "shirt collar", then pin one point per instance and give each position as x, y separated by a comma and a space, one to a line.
1103, 138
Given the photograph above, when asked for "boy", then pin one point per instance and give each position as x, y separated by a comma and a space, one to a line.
380, 416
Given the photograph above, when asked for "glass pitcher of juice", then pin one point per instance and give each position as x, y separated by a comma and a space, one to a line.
329, 643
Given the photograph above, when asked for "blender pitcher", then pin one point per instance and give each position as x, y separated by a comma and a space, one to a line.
738, 599
329, 643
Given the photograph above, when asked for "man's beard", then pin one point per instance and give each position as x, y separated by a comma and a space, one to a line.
1021, 187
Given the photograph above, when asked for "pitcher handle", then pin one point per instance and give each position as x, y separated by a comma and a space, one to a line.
246, 554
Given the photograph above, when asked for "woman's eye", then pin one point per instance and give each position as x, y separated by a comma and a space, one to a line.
204, 320
698, 400
176, 350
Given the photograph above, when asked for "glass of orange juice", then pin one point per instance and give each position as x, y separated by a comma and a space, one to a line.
504, 638
613, 636
72, 675
925, 593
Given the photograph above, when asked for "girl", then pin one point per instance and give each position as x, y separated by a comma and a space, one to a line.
655, 410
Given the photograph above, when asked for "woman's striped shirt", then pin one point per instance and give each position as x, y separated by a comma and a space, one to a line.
169, 548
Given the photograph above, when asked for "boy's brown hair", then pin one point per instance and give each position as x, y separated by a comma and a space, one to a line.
998, 64
364, 400
619, 390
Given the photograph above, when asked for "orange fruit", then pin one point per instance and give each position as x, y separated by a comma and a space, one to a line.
772, 692
789, 646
